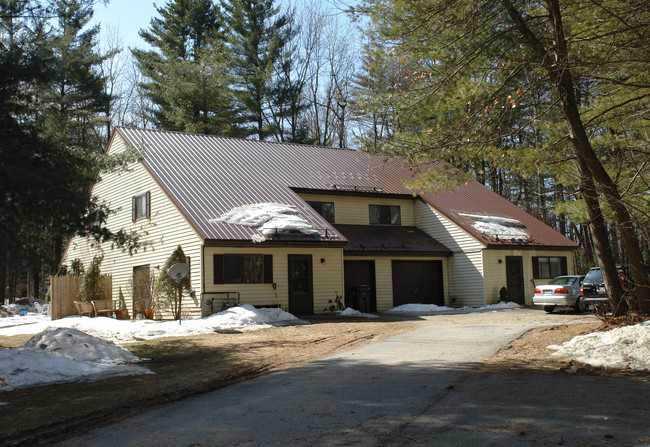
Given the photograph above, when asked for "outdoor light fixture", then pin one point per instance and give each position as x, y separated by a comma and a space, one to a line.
500, 261
322, 260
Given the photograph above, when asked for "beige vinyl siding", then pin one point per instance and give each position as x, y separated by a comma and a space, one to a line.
166, 229
327, 276
495, 272
384, 276
355, 211
465, 266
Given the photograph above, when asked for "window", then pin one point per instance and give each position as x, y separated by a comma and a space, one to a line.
325, 209
546, 267
243, 269
141, 206
385, 214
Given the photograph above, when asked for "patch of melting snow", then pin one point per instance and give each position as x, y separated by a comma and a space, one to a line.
499, 227
349, 312
64, 355
431, 309
268, 218
623, 347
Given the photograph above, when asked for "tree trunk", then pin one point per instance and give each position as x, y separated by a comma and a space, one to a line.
580, 140
3, 276
600, 240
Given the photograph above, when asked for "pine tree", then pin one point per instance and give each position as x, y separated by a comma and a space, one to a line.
48, 158
187, 73
260, 39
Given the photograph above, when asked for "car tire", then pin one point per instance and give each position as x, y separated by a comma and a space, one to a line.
580, 306
549, 309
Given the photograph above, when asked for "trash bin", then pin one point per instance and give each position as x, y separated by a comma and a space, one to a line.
363, 298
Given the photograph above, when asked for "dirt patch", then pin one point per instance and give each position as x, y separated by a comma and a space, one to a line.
184, 366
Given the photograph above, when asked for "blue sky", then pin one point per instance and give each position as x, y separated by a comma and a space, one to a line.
128, 16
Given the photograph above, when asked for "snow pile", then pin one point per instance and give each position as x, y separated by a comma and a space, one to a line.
64, 355
349, 312
430, 309
268, 218
624, 347
499, 227
245, 317
75, 345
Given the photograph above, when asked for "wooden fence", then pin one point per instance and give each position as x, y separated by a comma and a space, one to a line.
65, 290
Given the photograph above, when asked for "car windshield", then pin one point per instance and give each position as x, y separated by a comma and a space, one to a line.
594, 277
562, 281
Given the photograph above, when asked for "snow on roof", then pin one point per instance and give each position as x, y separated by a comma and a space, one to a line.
498, 227
268, 218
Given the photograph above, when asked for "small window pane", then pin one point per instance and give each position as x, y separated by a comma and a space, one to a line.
555, 267
141, 206
233, 269
253, 269
544, 268
395, 217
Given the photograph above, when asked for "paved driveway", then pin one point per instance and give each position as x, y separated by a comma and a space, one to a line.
412, 389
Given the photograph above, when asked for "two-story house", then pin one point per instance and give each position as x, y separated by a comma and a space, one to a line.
298, 225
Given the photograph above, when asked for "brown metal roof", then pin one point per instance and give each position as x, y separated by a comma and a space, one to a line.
387, 239
207, 175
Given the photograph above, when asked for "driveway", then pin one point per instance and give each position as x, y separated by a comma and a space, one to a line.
413, 389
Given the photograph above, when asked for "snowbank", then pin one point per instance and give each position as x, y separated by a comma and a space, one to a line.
624, 347
245, 318
431, 309
82, 349
64, 355
349, 312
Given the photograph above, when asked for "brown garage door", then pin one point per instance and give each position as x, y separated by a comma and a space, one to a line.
417, 282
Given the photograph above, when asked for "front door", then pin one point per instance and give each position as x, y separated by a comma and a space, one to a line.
301, 297
515, 279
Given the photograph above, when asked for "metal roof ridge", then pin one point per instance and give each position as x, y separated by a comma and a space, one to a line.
223, 137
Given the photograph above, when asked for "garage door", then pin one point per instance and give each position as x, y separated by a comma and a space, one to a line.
417, 282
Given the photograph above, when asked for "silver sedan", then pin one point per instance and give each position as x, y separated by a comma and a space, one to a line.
563, 291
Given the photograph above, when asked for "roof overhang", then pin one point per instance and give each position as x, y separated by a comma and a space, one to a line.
389, 240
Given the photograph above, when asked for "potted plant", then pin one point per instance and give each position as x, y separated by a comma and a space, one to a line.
121, 313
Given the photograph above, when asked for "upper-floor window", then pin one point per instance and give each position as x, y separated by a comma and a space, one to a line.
385, 214
547, 267
141, 206
325, 209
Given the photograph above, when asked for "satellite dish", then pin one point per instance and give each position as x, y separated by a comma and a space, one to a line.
178, 271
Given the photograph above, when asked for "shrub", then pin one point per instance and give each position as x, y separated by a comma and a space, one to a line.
92, 287
166, 289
